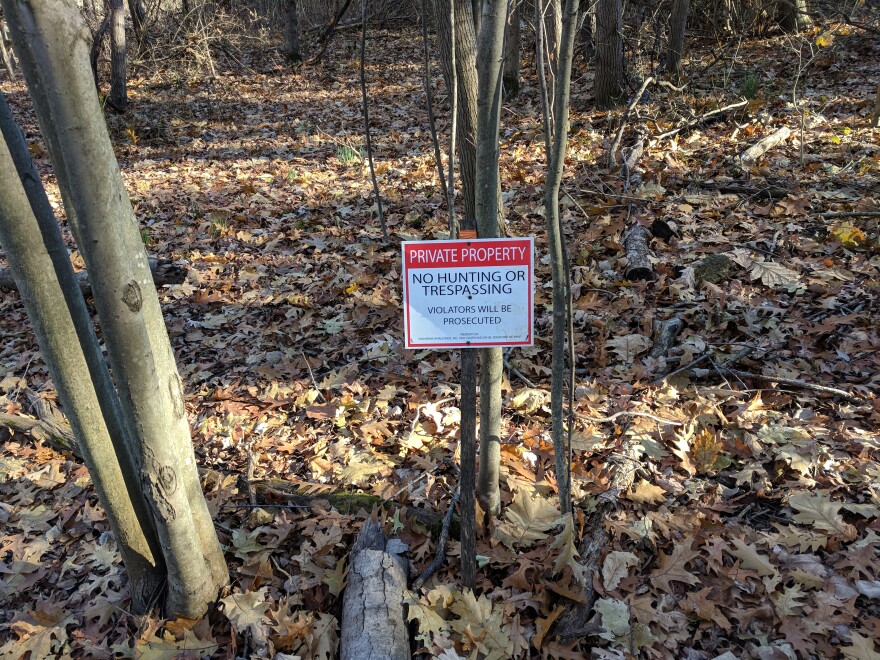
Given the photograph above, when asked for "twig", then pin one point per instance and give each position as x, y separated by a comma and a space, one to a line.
367, 121
794, 382
441, 545
312, 376
851, 214
697, 120
518, 374
628, 413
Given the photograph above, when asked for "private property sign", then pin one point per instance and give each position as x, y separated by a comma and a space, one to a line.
468, 293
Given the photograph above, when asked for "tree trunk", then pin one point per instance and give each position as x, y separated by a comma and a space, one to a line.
489, 65
677, 25
587, 30
794, 16
476, 14
38, 257
6, 51
373, 622
138, 16
512, 51
875, 119
609, 53
556, 248
466, 75
552, 35
53, 46
118, 98
291, 32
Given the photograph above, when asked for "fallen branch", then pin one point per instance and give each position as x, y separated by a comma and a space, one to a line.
638, 266
793, 382
851, 214
751, 155
56, 435
628, 413
164, 272
435, 565
699, 120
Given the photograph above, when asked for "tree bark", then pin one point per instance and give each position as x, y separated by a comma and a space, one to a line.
587, 30
489, 66
5, 51
38, 257
292, 49
373, 621
53, 45
138, 16
163, 272
875, 119
556, 248
512, 51
794, 16
638, 265
466, 83
609, 54
677, 26
118, 98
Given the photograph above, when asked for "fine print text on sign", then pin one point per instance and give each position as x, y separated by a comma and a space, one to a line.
468, 293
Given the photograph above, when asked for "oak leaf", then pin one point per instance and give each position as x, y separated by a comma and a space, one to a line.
672, 567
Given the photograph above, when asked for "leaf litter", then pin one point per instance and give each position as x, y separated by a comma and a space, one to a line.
751, 530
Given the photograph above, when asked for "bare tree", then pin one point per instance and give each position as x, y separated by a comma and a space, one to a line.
512, 51
556, 148
677, 25
292, 48
609, 86
118, 98
52, 43
490, 56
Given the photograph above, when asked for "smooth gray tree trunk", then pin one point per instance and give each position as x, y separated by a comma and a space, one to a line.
677, 29
555, 242
490, 56
292, 48
53, 46
609, 53
118, 98
38, 257
512, 51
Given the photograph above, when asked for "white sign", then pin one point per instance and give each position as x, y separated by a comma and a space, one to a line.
468, 293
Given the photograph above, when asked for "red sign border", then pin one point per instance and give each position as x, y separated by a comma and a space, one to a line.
529, 341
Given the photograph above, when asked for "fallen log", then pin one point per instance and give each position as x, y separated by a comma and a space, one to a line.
373, 620
751, 155
666, 333
164, 272
638, 266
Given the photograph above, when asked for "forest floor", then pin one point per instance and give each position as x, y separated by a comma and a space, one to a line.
751, 528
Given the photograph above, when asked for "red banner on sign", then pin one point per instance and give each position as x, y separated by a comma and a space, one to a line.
461, 254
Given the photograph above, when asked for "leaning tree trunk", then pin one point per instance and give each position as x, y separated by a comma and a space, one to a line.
118, 98
490, 55
556, 248
53, 46
466, 84
794, 16
36, 252
609, 53
677, 25
512, 51
292, 48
